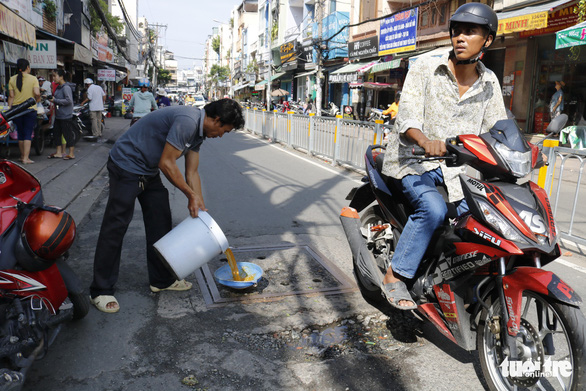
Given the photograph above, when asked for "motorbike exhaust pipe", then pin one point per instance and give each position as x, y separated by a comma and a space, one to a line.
362, 257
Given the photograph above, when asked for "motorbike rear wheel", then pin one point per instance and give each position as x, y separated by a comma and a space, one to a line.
551, 332
370, 291
39, 141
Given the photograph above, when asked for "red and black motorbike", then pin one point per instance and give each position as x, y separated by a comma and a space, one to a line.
481, 281
38, 290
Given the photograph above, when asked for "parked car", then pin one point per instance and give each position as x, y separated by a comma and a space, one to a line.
200, 102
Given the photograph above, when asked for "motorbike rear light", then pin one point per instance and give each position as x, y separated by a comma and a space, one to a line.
499, 223
519, 163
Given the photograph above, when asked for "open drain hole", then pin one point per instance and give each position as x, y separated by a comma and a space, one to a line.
316, 280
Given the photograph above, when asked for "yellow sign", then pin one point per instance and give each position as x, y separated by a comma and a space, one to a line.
16, 27
523, 23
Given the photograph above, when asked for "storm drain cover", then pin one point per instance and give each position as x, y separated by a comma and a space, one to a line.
288, 270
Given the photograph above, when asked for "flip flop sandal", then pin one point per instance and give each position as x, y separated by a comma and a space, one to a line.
68, 157
54, 156
179, 285
395, 292
102, 301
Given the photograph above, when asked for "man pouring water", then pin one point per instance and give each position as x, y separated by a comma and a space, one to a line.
152, 144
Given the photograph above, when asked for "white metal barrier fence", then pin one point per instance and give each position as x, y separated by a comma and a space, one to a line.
344, 141
340, 140
564, 183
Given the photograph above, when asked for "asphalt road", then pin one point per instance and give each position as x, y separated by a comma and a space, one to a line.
265, 196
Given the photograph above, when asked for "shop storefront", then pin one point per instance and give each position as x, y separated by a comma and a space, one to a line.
525, 44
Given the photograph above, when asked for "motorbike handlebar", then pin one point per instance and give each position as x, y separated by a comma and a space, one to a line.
15, 110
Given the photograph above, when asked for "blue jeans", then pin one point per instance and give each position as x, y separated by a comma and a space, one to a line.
430, 214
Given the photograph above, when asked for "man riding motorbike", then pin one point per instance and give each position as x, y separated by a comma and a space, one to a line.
142, 102
426, 117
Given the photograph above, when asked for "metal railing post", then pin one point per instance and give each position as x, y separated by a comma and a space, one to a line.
336, 144
378, 125
545, 179
289, 125
310, 132
274, 125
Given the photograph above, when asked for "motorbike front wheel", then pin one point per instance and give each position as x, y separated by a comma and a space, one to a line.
551, 345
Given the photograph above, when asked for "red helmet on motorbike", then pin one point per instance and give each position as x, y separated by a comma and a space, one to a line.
45, 236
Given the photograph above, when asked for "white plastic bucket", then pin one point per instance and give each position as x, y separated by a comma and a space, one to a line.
191, 244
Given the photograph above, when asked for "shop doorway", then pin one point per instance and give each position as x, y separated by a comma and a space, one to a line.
495, 61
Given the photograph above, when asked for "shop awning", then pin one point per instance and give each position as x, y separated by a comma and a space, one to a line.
243, 85
261, 85
385, 66
432, 53
572, 36
306, 73
379, 86
277, 75
57, 38
350, 68
82, 54
110, 65
367, 67
527, 18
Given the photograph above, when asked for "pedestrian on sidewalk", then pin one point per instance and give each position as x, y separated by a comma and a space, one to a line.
556, 104
154, 143
142, 102
64, 127
23, 86
96, 96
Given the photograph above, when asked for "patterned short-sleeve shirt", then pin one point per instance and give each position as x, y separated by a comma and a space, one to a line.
431, 102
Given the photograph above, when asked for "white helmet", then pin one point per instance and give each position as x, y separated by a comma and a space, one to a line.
88, 81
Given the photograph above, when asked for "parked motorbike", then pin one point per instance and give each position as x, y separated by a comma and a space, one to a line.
39, 291
481, 281
44, 126
377, 114
83, 120
332, 110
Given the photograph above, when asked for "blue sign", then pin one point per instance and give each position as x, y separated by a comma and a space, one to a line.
398, 33
338, 45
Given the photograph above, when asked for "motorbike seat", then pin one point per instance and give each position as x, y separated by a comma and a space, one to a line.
395, 187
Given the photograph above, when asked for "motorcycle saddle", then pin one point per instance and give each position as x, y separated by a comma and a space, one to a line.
396, 188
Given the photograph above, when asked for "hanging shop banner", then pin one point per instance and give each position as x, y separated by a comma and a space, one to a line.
364, 48
556, 21
306, 57
523, 23
44, 55
288, 54
81, 54
13, 52
107, 74
16, 27
398, 33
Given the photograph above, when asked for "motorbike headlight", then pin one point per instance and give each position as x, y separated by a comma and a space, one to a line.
519, 162
499, 223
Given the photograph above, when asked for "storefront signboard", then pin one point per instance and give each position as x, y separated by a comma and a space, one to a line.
107, 74
288, 55
16, 27
573, 36
101, 52
334, 34
306, 57
556, 21
364, 48
515, 24
344, 78
43, 55
398, 32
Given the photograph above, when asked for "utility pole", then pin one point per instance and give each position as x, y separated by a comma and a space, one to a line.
318, 91
270, 28
154, 58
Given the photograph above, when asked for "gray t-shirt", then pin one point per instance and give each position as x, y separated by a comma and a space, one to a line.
140, 148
